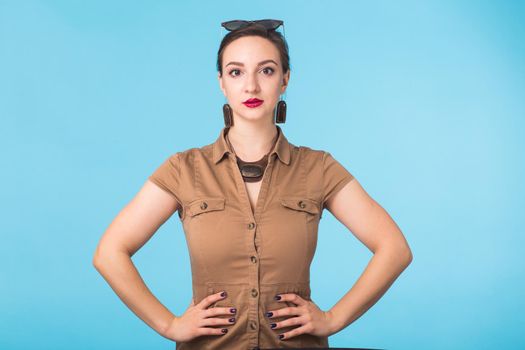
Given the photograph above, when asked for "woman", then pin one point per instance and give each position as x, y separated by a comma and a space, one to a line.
250, 204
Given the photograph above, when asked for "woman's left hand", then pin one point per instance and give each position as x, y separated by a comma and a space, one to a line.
309, 317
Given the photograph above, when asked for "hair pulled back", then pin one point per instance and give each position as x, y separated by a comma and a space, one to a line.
256, 30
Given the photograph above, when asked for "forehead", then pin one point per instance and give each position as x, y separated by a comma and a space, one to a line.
250, 49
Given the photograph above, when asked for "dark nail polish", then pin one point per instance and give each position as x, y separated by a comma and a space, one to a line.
281, 336
232, 319
273, 325
277, 297
233, 310
269, 314
224, 330
223, 294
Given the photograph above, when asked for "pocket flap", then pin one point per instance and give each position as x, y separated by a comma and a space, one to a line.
205, 205
302, 204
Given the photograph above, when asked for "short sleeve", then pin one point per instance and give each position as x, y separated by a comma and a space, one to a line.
167, 176
335, 177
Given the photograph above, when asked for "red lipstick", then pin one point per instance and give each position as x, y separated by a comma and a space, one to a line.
253, 102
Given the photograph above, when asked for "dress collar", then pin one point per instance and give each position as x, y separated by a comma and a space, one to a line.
282, 147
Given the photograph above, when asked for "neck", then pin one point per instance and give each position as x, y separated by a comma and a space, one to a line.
251, 141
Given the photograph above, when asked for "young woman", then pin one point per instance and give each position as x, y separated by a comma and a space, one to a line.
250, 205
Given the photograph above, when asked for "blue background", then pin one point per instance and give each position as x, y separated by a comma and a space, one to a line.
422, 101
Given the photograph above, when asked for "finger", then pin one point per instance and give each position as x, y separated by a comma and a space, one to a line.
293, 333
217, 321
294, 298
211, 331
210, 299
285, 311
214, 311
292, 321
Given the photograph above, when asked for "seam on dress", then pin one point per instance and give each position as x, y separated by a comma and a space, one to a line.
302, 190
198, 194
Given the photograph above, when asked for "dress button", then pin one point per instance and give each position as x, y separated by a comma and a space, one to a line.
254, 292
301, 204
251, 225
204, 205
253, 325
254, 259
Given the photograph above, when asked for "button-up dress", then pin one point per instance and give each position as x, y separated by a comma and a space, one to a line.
251, 254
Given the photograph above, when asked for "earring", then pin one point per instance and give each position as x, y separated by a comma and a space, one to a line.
228, 115
280, 116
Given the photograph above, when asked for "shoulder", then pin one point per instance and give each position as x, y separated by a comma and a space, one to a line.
309, 154
186, 157
315, 160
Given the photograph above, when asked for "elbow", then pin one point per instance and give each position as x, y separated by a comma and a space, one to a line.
406, 254
96, 261
99, 259
409, 257
107, 255
400, 251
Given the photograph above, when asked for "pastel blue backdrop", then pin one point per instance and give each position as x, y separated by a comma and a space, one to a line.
422, 101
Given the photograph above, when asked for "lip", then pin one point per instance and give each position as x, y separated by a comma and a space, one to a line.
253, 102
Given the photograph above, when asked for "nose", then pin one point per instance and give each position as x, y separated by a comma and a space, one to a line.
251, 84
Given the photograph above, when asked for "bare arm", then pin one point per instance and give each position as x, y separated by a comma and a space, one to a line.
374, 227
128, 232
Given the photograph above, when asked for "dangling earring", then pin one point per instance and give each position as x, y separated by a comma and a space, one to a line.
280, 116
228, 115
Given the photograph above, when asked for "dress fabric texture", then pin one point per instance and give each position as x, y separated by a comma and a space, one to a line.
252, 255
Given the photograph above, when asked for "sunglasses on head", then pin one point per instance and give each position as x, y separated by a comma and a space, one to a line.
268, 24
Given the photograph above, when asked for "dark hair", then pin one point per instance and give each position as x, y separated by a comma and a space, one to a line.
255, 30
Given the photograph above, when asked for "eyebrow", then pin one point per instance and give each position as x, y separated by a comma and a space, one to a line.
259, 64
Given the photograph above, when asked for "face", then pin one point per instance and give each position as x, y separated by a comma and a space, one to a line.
252, 68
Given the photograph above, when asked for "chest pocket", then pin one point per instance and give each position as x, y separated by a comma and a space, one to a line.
307, 205
204, 205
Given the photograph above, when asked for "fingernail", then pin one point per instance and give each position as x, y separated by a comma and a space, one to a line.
273, 325
224, 330
269, 314
233, 310
223, 294
281, 336
277, 297
232, 319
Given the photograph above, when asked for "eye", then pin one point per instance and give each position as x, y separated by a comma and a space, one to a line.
270, 69
232, 71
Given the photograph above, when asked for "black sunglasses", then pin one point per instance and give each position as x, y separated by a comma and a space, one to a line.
268, 24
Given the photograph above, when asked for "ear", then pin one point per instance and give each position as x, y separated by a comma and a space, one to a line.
286, 79
221, 84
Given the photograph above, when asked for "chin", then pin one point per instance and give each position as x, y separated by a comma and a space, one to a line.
253, 118
253, 114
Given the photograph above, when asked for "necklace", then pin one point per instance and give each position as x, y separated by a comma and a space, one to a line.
252, 171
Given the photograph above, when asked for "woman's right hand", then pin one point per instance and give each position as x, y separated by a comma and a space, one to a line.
196, 319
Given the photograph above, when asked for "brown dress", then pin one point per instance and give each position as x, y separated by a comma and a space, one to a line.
252, 255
